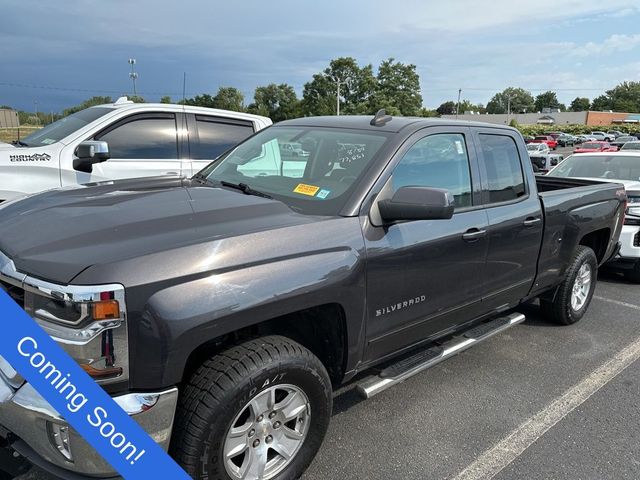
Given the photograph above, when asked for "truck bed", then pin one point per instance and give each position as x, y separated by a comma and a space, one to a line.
571, 206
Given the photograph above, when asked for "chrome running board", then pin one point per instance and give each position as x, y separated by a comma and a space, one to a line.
427, 358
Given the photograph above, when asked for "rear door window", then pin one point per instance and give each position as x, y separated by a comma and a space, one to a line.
217, 135
503, 168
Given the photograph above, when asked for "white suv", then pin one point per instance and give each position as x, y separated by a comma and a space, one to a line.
121, 140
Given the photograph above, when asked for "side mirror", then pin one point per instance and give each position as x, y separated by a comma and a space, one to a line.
90, 152
417, 203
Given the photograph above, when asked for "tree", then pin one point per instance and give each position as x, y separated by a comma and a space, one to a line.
357, 85
447, 108
204, 100
603, 102
467, 106
165, 99
520, 100
229, 98
278, 102
425, 112
547, 99
136, 99
397, 87
93, 101
580, 104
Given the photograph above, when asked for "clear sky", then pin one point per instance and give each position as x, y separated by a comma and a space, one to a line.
79, 48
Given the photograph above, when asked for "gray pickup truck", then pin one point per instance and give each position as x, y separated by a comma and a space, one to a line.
246, 293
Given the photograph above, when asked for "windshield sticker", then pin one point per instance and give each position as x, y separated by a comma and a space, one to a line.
323, 193
305, 189
459, 147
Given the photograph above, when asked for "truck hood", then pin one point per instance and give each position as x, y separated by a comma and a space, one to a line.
57, 234
7, 146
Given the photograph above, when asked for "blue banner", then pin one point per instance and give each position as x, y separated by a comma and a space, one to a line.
90, 410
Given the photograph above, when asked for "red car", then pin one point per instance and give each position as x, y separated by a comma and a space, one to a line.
548, 139
591, 147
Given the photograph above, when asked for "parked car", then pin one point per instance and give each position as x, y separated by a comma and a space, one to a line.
566, 140
620, 141
553, 144
620, 167
585, 138
616, 133
631, 146
541, 157
590, 147
121, 140
245, 296
603, 137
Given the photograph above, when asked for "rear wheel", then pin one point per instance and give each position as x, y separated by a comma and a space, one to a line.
573, 296
258, 410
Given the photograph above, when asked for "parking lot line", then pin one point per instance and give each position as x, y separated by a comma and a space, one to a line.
496, 458
617, 302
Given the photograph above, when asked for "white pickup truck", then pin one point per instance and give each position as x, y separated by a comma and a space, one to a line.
121, 140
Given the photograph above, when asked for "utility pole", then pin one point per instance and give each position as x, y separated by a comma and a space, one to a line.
133, 75
508, 109
458, 103
338, 97
35, 103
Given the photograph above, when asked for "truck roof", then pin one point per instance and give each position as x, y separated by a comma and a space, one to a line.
123, 104
396, 124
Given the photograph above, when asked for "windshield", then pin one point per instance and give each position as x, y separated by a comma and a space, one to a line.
535, 146
625, 139
631, 146
313, 170
615, 167
56, 131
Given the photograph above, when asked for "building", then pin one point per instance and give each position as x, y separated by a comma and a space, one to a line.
552, 118
8, 118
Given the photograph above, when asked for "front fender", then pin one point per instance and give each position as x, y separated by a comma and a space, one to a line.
183, 317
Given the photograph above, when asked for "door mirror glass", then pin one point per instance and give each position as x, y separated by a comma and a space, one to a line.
90, 152
417, 203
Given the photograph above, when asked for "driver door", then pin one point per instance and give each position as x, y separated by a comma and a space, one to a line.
427, 276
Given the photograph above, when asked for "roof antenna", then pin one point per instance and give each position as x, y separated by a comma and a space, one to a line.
381, 118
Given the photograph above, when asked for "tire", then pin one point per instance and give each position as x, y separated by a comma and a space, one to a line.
633, 275
562, 307
220, 396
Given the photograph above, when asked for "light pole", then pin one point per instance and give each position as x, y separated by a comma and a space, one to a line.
35, 103
508, 109
458, 103
338, 97
133, 75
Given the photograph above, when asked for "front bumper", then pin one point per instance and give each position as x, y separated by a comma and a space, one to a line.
29, 421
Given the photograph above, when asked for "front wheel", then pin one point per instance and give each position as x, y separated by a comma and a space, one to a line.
573, 296
258, 410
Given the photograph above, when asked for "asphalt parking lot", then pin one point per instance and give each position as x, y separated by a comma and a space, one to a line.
538, 401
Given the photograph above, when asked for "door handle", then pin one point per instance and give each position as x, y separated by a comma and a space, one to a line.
473, 235
531, 221
171, 173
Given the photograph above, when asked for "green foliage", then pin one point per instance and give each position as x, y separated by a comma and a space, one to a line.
227, 98
513, 123
278, 102
447, 108
356, 86
467, 106
93, 101
624, 97
519, 99
136, 99
547, 99
397, 89
165, 99
425, 112
580, 104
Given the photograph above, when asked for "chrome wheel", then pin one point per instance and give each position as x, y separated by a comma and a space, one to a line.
581, 287
267, 433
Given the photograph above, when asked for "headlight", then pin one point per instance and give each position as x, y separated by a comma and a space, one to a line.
88, 322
